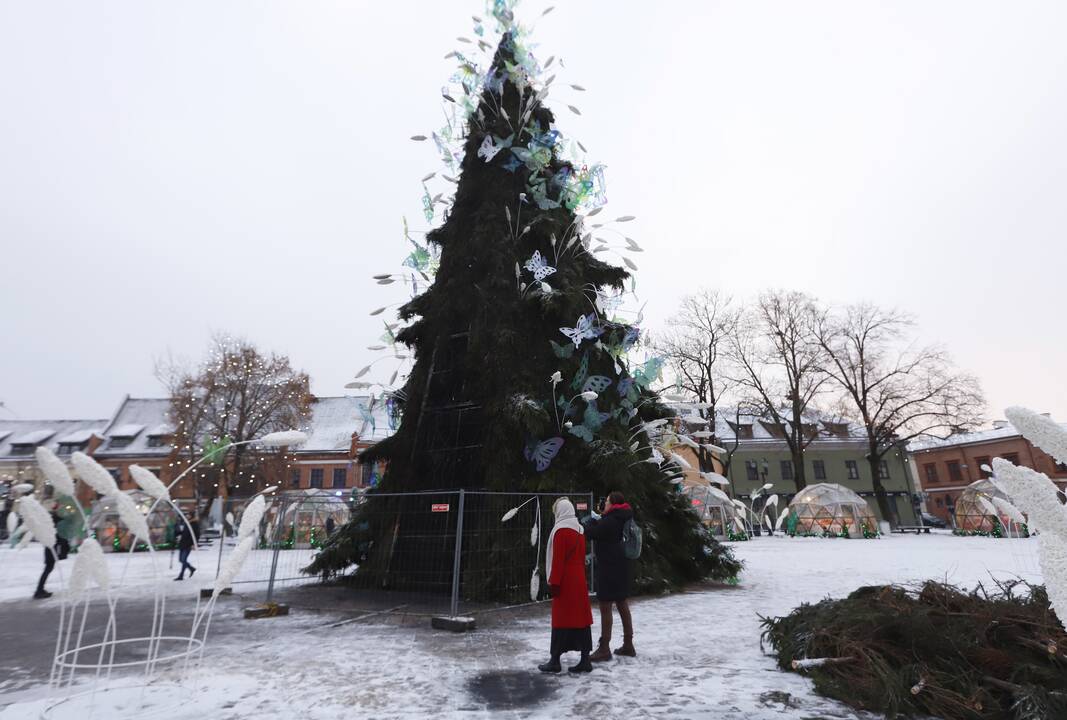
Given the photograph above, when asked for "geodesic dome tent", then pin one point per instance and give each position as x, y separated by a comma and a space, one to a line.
714, 508
112, 533
831, 508
977, 512
302, 516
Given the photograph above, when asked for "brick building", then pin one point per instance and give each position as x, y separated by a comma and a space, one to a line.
946, 466
19, 440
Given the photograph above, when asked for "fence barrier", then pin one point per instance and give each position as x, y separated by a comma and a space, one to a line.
426, 552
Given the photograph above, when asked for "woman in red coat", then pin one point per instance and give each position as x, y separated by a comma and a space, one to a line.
572, 616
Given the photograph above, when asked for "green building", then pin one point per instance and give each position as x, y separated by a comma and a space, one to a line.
757, 453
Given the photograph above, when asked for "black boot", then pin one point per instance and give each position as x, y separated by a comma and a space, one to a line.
584, 665
192, 571
41, 594
552, 666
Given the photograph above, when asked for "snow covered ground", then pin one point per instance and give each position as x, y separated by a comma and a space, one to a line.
20, 569
698, 651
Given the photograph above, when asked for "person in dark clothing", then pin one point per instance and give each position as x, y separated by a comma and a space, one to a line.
330, 525
60, 551
612, 574
186, 543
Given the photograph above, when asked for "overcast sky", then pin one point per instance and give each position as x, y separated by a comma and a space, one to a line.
170, 169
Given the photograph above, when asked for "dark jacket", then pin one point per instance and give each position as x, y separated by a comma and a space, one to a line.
612, 565
186, 539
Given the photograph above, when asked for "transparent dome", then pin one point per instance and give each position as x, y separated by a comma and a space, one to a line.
830, 508
303, 516
112, 533
977, 511
714, 508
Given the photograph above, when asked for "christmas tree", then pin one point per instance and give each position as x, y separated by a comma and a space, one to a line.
521, 379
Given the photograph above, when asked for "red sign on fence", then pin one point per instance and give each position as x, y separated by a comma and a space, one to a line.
579, 506
439, 507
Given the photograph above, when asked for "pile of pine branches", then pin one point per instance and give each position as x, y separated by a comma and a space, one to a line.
997, 654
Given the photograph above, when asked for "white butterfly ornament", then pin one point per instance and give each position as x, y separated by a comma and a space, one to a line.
537, 265
584, 329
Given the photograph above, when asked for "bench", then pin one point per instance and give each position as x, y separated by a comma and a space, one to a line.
913, 528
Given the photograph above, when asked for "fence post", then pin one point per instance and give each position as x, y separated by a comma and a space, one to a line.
222, 534
277, 548
456, 558
592, 561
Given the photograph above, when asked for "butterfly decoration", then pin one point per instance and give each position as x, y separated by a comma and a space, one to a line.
427, 204
368, 417
489, 149
597, 383
608, 304
649, 372
546, 140
561, 351
592, 421
584, 329
581, 374
537, 265
543, 453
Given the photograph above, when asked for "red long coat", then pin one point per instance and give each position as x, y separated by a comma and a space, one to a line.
570, 606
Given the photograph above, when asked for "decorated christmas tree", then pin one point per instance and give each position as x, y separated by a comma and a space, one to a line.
522, 378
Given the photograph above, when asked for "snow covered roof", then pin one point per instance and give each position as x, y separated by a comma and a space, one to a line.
728, 423
125, 431
1001, 431
43, 433
335, 419
34, 437
77, 437
125, 434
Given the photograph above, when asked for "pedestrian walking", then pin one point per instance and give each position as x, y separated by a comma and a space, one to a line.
612, 573
186, 541
51, 554
572, 616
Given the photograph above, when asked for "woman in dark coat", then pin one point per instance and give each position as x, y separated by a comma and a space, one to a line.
612, 574
572, 616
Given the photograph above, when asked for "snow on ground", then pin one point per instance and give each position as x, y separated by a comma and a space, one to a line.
698, 651
20, 569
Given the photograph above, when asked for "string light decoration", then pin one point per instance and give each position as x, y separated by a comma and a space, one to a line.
237, 393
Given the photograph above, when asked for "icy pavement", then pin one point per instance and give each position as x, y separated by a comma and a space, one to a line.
699, 653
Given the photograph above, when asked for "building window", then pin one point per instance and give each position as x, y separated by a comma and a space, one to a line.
853, 470
940, 501
787, 469
820, 469
294, 477
883, 470
751, 470
1013, 458
155, 441
340, 477
119, 442
955, 474
22, 449
366, 470
68, 448
1061, 467
931, 473
316, 478
980, 461
116, 473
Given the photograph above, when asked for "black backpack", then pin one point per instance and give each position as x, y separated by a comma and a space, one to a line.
631, 539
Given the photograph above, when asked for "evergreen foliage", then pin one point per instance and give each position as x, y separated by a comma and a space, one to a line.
483, 406
935, 650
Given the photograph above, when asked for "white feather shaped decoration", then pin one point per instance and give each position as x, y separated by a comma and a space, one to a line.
55, 471
285, 438
535, 585
509, 514
89, 563
131, 515
147, 481
251, 517
93, 474
233, 565
37, 520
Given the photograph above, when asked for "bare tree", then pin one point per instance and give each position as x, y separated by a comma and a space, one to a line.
896, 392
779, 367
237, 393
694, 347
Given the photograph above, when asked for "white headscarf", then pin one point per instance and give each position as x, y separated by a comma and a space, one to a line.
565, 518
